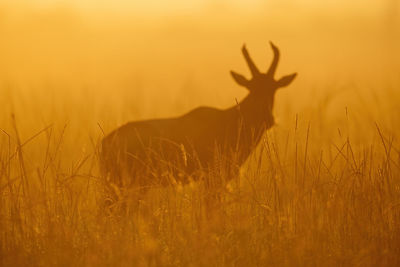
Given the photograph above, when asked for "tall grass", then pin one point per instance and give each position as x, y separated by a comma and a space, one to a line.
315, 192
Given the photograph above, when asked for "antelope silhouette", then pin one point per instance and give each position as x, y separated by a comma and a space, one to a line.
132, 154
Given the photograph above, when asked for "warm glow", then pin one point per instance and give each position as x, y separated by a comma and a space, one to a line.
320, 186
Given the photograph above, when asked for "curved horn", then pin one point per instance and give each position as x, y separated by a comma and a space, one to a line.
253, 69
274, 64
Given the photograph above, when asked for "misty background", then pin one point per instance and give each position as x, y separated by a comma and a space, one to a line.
126, 60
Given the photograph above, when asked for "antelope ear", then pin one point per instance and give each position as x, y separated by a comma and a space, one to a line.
240, 79
286, 80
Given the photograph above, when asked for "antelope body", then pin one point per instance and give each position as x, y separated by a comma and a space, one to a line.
194, 141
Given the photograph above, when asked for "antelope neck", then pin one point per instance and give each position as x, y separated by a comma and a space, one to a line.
255, 112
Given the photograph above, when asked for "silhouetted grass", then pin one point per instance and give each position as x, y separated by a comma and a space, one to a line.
300, 201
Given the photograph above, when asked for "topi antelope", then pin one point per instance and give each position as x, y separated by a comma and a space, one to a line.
137, 154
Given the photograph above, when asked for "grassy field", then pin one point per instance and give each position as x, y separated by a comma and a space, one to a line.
322, 188
313, 194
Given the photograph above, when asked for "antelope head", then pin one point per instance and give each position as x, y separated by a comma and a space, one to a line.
262, 86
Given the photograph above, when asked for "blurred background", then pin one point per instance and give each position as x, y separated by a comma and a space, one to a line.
322, 188
111, 61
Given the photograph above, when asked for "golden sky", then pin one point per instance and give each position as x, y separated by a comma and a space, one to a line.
119, 40
154, 7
